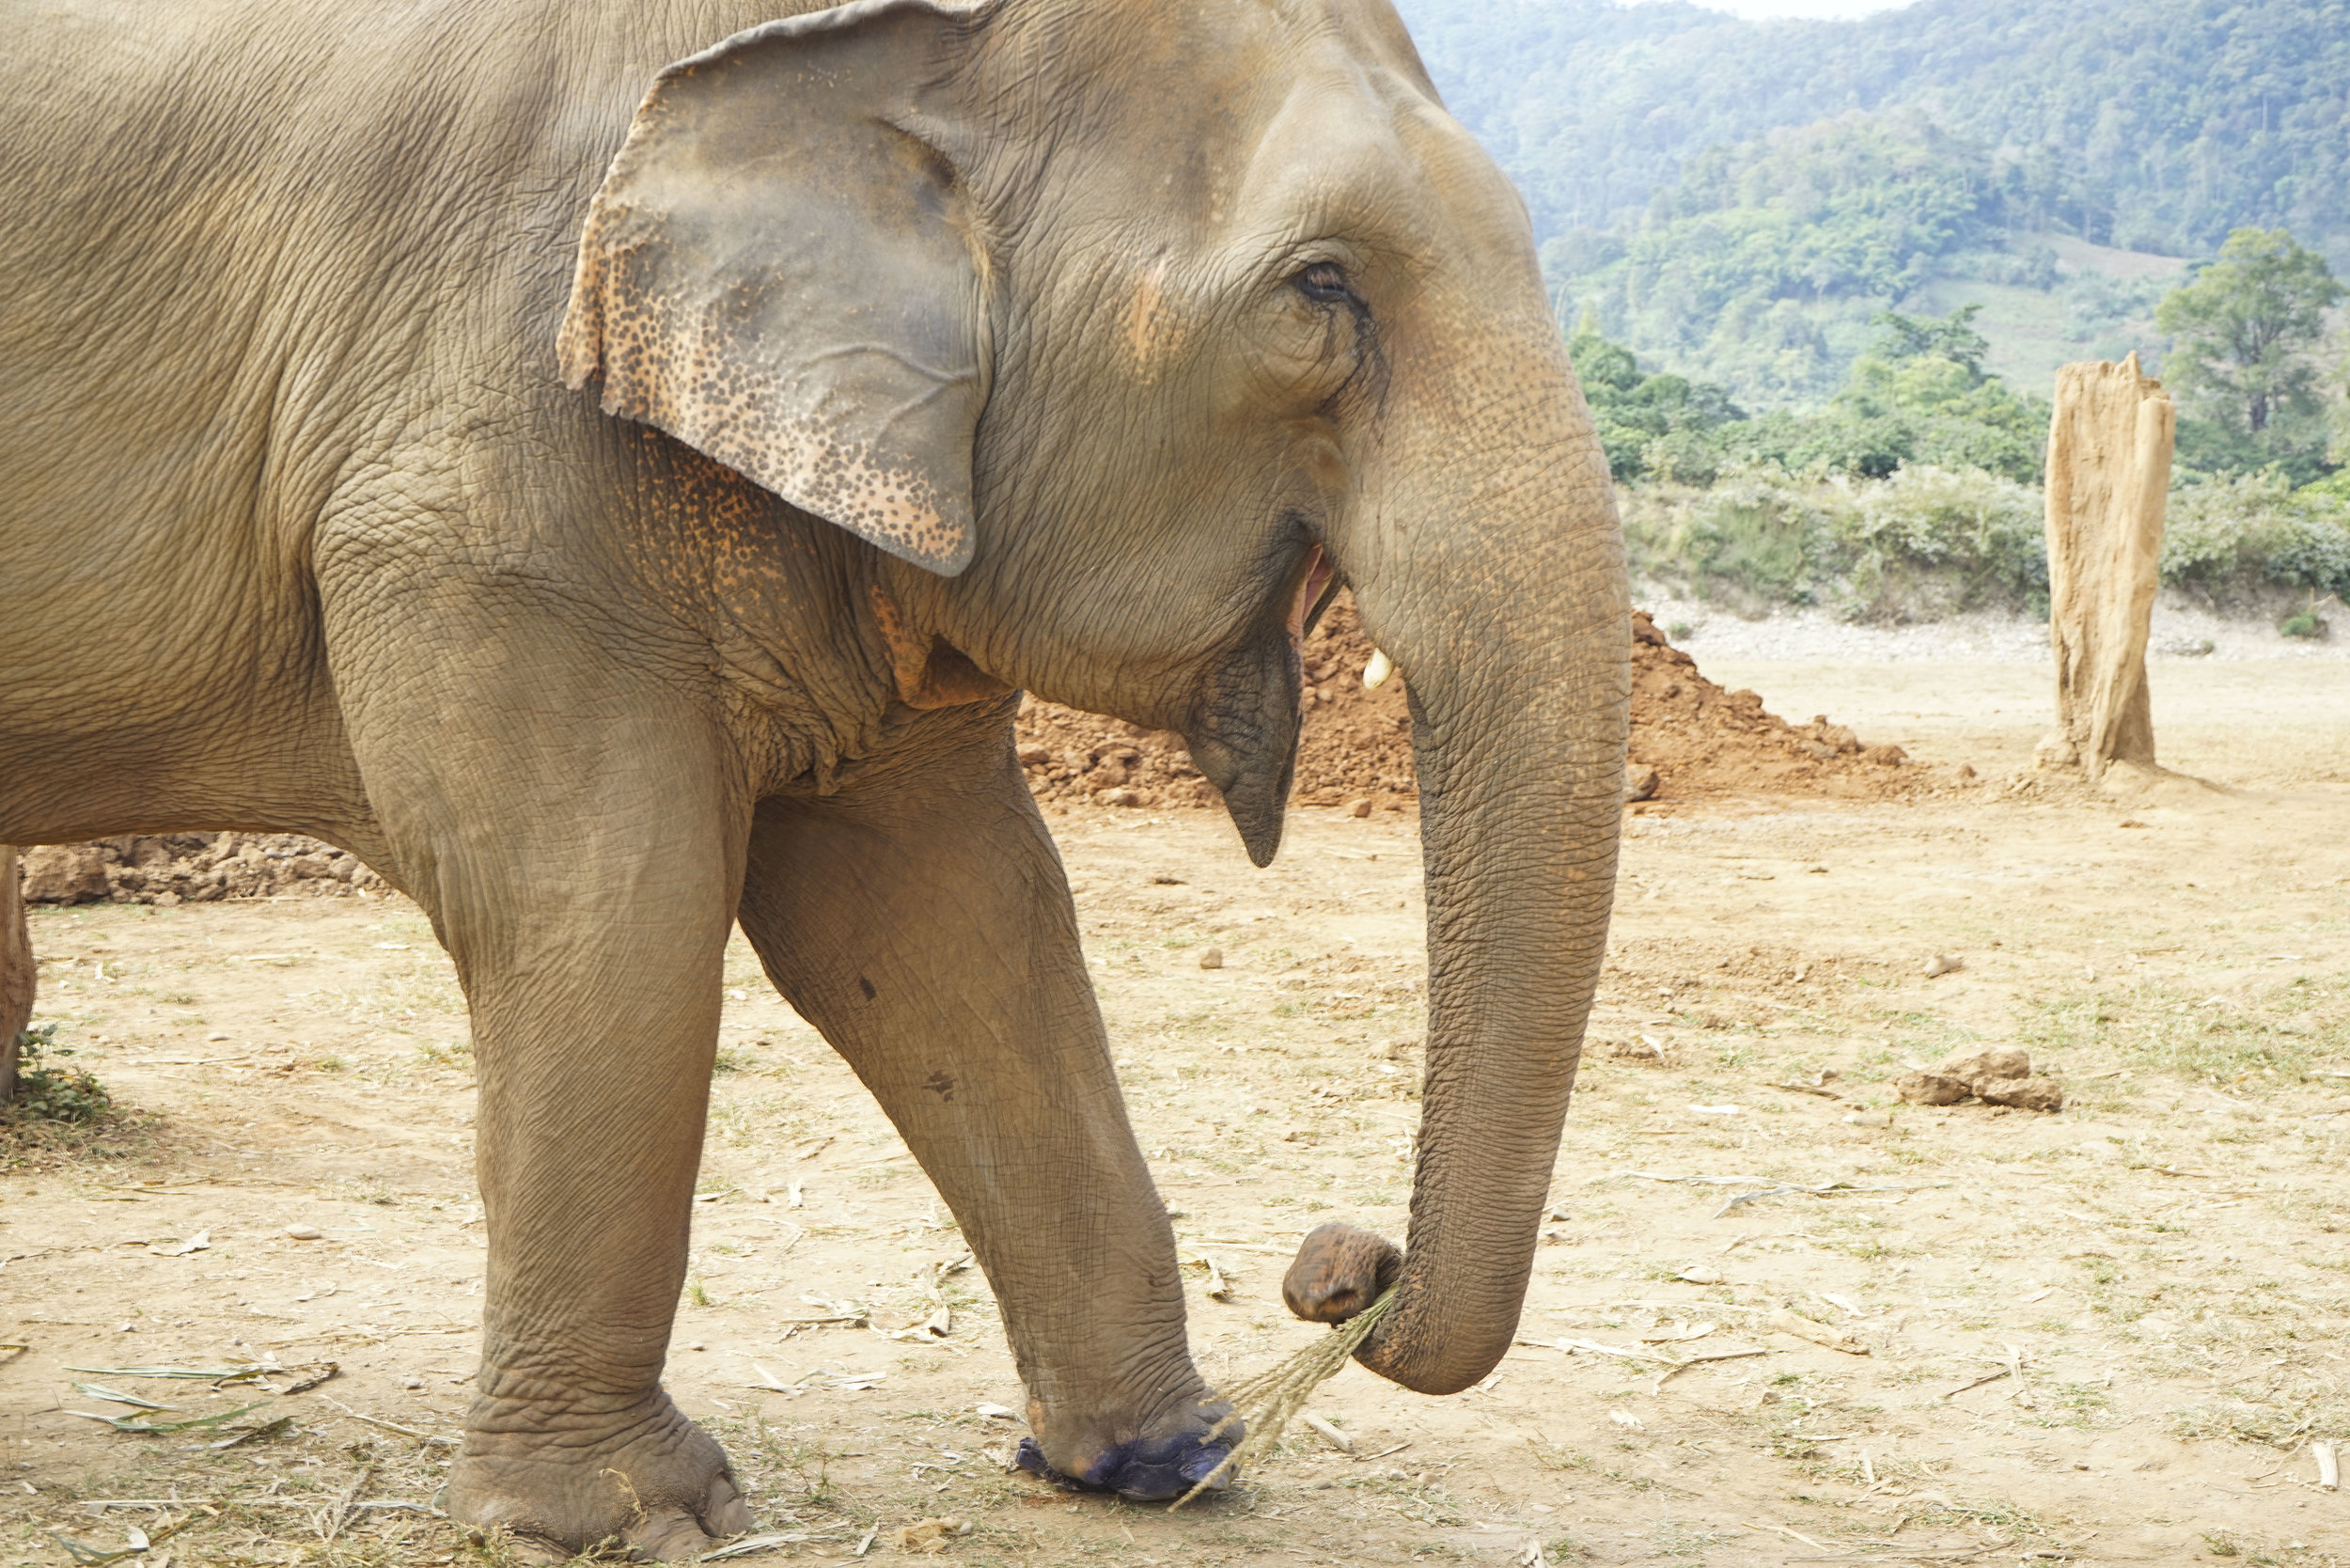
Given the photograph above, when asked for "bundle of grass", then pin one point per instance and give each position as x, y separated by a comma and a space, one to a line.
1268, 1400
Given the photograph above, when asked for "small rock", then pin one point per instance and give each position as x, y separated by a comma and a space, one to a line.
1641, 782
1359, 806
1034, 756
304, 1233
1878, 1119
1944, 964
2038, 1094
1930, 1089
2000, 1062
1700, 1275
1212, 958
215, 1039
1118, 797
694, 1344
412, 1382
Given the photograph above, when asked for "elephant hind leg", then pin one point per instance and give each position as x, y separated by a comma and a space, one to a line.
16, 971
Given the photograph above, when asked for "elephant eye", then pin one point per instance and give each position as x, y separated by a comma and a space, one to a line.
1325, 283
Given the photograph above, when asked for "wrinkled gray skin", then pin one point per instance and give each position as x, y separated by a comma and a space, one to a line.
345, 490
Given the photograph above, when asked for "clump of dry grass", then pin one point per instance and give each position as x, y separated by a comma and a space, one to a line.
1268, 1400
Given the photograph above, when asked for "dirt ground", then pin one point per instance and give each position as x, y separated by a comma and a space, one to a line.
2104, 1336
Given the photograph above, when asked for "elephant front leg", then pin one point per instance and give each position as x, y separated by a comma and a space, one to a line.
595, 1015
923, 924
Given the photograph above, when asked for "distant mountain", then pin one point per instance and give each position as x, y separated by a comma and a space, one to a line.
1736, 200
2159, 124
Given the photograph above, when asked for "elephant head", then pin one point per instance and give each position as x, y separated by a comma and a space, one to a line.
1125, 332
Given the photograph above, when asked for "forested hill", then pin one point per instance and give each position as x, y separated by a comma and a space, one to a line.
2151, 125
1736, 201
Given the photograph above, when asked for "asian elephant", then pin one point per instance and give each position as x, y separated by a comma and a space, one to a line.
613, 467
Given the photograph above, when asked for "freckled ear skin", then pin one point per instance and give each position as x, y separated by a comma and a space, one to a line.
779, 272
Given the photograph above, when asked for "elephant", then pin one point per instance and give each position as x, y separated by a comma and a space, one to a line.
614, 468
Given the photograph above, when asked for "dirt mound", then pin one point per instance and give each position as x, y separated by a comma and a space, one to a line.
1690, 738
1702, 740
192, 868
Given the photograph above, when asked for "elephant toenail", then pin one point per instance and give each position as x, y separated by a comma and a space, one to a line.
1201, 1465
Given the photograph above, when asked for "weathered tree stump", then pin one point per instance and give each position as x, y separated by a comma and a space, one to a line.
16, 971
2109, 476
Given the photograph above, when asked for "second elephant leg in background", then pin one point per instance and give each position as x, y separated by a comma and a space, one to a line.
921, 920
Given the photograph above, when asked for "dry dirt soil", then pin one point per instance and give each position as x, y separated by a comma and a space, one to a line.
2109, 1334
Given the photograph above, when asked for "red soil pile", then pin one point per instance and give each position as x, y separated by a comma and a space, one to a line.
1357, 745
1688, 735
1702, 740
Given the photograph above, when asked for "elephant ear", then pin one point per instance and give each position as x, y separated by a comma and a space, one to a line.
780, 271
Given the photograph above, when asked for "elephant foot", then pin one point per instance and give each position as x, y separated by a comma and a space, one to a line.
1339, 1271
1154, 1463
649, 1482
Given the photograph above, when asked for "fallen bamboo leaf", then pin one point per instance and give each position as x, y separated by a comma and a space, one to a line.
132, 1423
998, 1413
867, 1544
2328, 1466
81, 1552
140, 1541
208, 1375
200, 1242
98, 1390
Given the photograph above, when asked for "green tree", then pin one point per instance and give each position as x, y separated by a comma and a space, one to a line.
2246, 330
1953, 338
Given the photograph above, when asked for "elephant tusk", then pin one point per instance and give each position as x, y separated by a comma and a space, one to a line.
1375, 673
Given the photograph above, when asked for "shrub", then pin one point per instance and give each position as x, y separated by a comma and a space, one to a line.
1924, 541
52, 1094
2225, 536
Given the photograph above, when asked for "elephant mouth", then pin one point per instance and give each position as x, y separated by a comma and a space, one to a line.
1243, 729
1315, 589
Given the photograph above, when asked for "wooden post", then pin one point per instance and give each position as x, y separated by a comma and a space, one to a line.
2109, 476
16, 971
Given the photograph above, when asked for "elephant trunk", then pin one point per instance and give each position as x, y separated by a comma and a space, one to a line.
1495, 580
